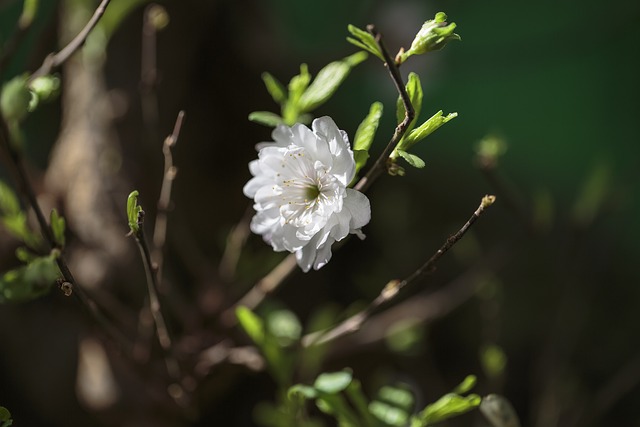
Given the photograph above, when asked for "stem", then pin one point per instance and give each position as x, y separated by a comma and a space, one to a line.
260, 290
55, 60
170, 171
401, 129
235, 242
393, 288
154, 302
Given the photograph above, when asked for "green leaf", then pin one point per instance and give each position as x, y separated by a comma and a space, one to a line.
299, 83
414, 90
29, 10
412, 159
266, 118
5, 417
466, 385
327, 81
359, 401
133, 211
427, 128
285, 326
30, 281
297, 86
499, 412
397, 396
57, 227
392, 406
388, 414
364, 40
275, 88
367, 128
9, 204
446, 407
365, 134
333, 382
302, 390
15, 99
251, 324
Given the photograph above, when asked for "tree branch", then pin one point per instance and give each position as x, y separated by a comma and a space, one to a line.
55, 60
393, 288
409, 114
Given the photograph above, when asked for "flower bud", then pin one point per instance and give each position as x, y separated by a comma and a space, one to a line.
433, 35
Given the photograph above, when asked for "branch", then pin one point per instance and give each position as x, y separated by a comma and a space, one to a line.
170, 171
260, 290
55, 60
154, 302
409, 114
393, 288
235, 242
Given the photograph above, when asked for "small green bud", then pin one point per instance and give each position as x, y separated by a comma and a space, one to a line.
15, 99
45, 87
158, 17
134, 212
433, 35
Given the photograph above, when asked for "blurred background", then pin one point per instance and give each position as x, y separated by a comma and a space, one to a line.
540, 300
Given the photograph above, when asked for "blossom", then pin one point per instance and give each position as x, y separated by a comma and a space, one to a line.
299, 186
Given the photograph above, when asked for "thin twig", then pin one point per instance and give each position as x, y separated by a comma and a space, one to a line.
409, 114
154, 302
273, 280
260, 290
55, 60
235, 242
393, 288
170, 171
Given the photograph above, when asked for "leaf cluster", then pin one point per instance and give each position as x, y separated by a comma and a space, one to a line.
303, 95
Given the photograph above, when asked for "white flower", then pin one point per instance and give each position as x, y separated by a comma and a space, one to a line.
300, 190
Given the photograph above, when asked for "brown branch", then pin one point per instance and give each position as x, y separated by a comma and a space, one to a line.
170, 171
154, 302
409, 114
235, 242
393, 288
55, 60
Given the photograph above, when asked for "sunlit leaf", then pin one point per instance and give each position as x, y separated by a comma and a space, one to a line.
444, 408
333, 382
57, 227
285, 326
276, 89
266, 118
30, 281
327, 81
412, 159
251, 324
133, 211
414, 90
364, 40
